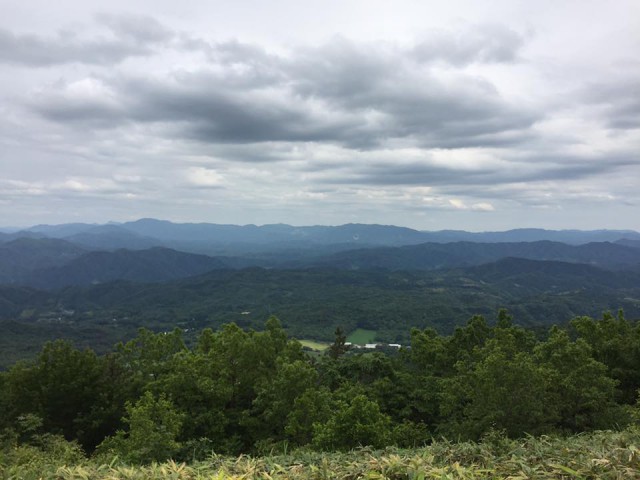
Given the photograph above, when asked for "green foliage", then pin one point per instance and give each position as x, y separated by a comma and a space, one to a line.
244, 391
339, 346
154, 425
355, 422
614, 342
40, 458
276, 398
313, 406
503, 391
579, 391
601, 455
61, 387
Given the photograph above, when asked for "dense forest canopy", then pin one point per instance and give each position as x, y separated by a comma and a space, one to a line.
238, 390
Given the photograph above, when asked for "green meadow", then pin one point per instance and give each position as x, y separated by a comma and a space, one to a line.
361, 336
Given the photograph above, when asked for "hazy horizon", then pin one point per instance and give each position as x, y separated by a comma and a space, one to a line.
17, 228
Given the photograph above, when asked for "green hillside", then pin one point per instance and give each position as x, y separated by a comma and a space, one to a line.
312, 303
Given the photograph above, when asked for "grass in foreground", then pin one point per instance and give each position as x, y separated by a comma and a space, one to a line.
600, 455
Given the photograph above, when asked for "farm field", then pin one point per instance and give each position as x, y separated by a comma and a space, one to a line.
361, 336
315, 345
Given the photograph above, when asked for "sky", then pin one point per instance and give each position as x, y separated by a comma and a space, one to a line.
475, 115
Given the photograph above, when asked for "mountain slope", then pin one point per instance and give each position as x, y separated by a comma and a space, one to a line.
112, 237
153, 265
20, 257
313, 302
430, 256
543, 276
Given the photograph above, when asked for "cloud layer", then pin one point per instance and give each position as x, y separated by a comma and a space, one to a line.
464, 127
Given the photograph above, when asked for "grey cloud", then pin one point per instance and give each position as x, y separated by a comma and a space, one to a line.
39, 51
82, 112
139, 28
132, 36
559, 168
621, 100
215, 112
482, 44
349, 94
416, 173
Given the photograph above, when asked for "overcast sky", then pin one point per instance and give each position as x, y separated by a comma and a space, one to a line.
476, 115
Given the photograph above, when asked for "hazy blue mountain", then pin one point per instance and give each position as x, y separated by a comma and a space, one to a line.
273, 234
112, 237
202, 232
429, 256
357, 234
9, 237
575, 237
61, 231
153, 265
629, 242
241, 239
21, 256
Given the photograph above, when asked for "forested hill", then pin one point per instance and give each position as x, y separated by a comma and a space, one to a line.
23, 255
145, 266
53, 263
430, 256
313, 302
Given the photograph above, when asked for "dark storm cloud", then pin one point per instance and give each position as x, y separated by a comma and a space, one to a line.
214, 110
129, 36
355, 95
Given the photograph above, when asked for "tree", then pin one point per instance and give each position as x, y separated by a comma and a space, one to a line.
502, 388
276, 399
61, 388
356, 422
579, 391
615, 342
313, 406
154, 425
339, 346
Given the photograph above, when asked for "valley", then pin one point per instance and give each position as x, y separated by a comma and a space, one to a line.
56, 285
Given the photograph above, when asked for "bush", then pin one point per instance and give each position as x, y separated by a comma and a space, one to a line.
154, 425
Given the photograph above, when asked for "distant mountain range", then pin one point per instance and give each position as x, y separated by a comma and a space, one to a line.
97, 284
430, 256
237, 240
51, 257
